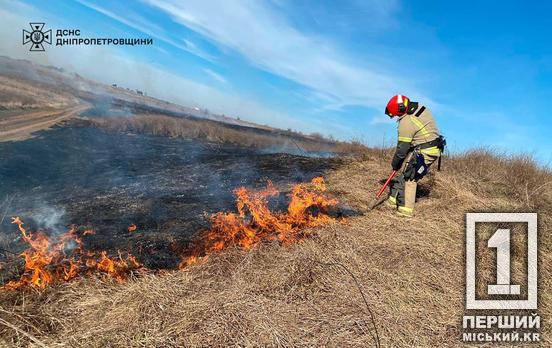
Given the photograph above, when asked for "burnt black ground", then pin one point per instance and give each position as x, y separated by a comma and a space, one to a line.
78, 174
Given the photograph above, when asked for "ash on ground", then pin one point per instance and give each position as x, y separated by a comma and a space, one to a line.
168, 188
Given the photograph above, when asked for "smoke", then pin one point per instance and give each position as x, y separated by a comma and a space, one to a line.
88, 176
111, 66
296, 150
49, 218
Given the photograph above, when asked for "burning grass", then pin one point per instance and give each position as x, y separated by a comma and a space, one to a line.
255, 222
411, 273
51, 260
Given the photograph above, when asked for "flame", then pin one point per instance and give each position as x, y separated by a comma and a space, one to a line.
51, 260
88, 232
47, 262
255, 222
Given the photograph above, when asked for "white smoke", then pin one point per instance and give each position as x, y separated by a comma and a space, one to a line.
49, 218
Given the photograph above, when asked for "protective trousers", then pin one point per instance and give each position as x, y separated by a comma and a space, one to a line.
403, 187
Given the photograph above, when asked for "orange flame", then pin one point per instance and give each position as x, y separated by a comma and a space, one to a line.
88, 232
50, 260
255, 223
46, 261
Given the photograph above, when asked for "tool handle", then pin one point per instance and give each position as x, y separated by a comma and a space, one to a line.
386, 183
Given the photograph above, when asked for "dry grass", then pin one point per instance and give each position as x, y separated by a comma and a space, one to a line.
516, 177
217, 132
21, 95
411, 272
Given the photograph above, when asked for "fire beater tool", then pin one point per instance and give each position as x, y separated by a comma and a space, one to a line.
376, 201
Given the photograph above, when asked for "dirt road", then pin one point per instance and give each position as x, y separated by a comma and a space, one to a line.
20, 126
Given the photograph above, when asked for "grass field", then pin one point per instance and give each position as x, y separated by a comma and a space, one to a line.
375, 278
217, 132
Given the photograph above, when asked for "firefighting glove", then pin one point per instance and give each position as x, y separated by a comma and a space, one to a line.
400, 154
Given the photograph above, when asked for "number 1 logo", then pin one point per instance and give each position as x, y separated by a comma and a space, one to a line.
500, 240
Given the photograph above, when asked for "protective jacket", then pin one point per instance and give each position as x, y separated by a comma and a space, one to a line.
416, 128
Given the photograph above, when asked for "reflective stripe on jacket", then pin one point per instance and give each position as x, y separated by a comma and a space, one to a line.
415, 128
418, 129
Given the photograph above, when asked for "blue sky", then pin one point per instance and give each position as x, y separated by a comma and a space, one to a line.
483, 67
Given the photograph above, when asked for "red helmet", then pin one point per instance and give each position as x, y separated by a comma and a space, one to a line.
397, 105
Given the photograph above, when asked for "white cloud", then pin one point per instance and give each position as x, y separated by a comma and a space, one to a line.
109, 66
140, 23
214, 75
377, 120
250, 28
259, 33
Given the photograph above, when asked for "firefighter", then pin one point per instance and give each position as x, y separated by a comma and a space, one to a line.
419, 145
